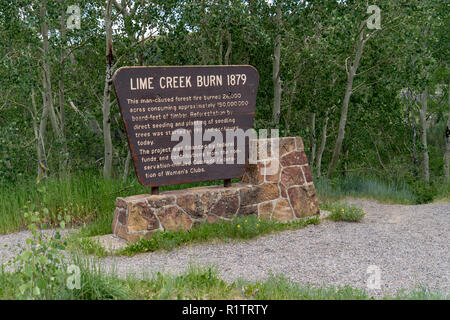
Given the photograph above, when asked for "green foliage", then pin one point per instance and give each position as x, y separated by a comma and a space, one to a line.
278, 287
87, 198
195, 283
39, 266
87, 246
239, 228
421, 293
424, 191
365, 187
199, 283
315, 43
343, 211
95, 283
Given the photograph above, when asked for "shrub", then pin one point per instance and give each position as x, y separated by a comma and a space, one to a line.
39, 267
424, 192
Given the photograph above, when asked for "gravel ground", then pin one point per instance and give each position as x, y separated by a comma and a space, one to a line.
11, 244
409, 244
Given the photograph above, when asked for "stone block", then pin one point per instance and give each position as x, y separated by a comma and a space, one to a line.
291, 176
282, 211
304, 201
172, 218
260, 193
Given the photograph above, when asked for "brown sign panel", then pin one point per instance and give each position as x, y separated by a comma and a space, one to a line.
156, 101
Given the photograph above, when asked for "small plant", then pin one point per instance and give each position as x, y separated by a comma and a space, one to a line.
344, 212
424, 192
86, 246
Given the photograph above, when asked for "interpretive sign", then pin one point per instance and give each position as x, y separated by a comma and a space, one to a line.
184, 124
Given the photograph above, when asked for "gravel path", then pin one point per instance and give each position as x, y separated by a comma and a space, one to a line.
409, 244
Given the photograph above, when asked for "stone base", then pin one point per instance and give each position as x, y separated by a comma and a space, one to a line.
285, 194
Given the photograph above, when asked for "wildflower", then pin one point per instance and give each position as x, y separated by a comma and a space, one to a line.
238, 225
245, 220
257, 224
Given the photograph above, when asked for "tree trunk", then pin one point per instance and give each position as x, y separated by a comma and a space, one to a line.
40, 149
322, 145
62, 115
221, 47
107, 168
413, 130
276, 70
288, 116
312, 139
423, 137
447, 142
229, 47
47, 83
348, 92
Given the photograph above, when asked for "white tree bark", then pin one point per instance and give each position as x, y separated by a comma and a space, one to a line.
312, 139
62, 113
276, 70
322, 146
348, 92
229, 47
107, 168
39, 136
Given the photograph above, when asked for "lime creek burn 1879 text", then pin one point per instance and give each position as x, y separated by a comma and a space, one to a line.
180, 82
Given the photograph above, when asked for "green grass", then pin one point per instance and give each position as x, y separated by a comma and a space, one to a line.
341, 211
87, 246
363, 187
197, 283
95, 285
240, 228
278, 287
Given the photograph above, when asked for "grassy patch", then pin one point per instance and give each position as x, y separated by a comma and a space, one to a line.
238, 228
196, 283
95, 284
408, 191
278, 287
204, 283
87, 246
87, 198
343, 211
